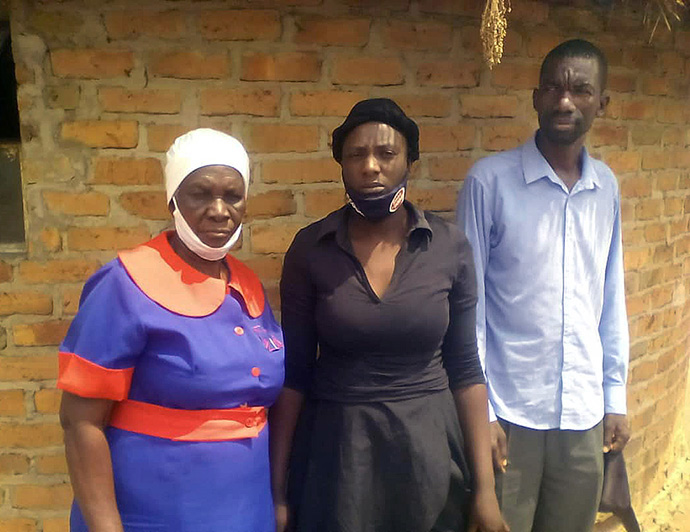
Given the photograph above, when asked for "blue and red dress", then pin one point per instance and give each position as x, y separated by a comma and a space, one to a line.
192, 363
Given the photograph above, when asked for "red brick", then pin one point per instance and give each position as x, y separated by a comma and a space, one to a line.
638, 304
636, 187
529, 12
119, 100
63, 97
47, 401
91, 63
275, 138
655, 233
12, 403
127, 171
240, 25
324, 103
649, 209
55, 496
672, 112
106, 238
446, 73
13, 464
190, 65
655, 160
41, 333
449, 168
51, 464
434, 199
56, 524
270, 204
17, 524
266, 267
281, 66
257, 102
57, 271
404, 35
273, 238
297, 171
425, 105
636, 258
666, 181
131, 23
28, 368
25, 303
623, 161
638, 109
367, 70
452, 7
102, 133
394, 5
540, 43
655, 86
647, 134
445, 138
161, 136
673, 206
145, 204
640, 58
70, 301
622, 81
477, 106
505, 137
330, 31
77, 204
515, 75
663, 253
674, 136
5, 272
319, 203
579, 20
50, 239
608, 135
56, 24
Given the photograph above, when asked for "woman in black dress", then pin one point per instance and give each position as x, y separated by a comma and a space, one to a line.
382, 425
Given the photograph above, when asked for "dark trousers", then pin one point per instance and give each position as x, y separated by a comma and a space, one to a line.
553, 479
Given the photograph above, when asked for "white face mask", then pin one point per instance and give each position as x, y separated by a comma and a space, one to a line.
194, 243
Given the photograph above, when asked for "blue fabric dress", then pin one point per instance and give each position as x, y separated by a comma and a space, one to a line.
222, 360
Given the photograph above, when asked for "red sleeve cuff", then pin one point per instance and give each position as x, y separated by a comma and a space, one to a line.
84, 378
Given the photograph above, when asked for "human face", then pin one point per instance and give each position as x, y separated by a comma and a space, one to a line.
568, 99
212, 201
374, 159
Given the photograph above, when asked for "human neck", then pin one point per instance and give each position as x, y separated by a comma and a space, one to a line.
212, 268
392, 228
565, 159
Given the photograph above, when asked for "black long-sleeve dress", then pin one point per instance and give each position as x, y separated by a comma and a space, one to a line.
378, 446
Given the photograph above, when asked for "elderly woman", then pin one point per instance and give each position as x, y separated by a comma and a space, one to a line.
170, 364
387, 429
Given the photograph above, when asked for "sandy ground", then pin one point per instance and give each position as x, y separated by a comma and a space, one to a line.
669, 510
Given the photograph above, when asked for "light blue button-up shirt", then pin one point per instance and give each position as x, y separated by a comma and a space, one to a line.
551, 320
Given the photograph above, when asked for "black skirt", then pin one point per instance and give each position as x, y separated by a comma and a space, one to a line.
392, 466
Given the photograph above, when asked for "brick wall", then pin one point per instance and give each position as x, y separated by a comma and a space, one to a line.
106, 86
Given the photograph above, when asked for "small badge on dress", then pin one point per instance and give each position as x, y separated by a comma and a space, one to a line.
271, 341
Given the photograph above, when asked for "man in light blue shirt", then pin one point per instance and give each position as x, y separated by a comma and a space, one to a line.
545, 227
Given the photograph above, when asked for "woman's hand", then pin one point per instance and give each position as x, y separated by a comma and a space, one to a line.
485, 514
282, 513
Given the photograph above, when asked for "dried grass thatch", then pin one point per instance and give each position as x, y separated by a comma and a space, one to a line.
495, 22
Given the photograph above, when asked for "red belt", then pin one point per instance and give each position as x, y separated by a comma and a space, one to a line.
189, 425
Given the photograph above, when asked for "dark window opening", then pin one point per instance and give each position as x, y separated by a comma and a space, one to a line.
11, 203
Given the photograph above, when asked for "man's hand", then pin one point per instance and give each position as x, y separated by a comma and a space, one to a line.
499, 447
616, 432
485, 515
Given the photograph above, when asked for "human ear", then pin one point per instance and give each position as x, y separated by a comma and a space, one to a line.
603, 103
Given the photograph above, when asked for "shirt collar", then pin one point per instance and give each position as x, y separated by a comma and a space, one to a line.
336, 223
535, 167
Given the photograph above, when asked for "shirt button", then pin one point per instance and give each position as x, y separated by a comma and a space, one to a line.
239, 331
256, 371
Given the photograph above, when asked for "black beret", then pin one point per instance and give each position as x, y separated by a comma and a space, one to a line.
381, 110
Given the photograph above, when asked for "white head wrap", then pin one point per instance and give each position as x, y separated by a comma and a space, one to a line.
194, 150
199, 148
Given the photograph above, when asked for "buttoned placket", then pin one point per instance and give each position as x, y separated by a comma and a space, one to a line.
569, 353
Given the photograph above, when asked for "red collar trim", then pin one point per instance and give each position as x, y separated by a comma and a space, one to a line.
172, 283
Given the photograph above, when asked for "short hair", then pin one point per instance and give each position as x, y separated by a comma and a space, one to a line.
577, 48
